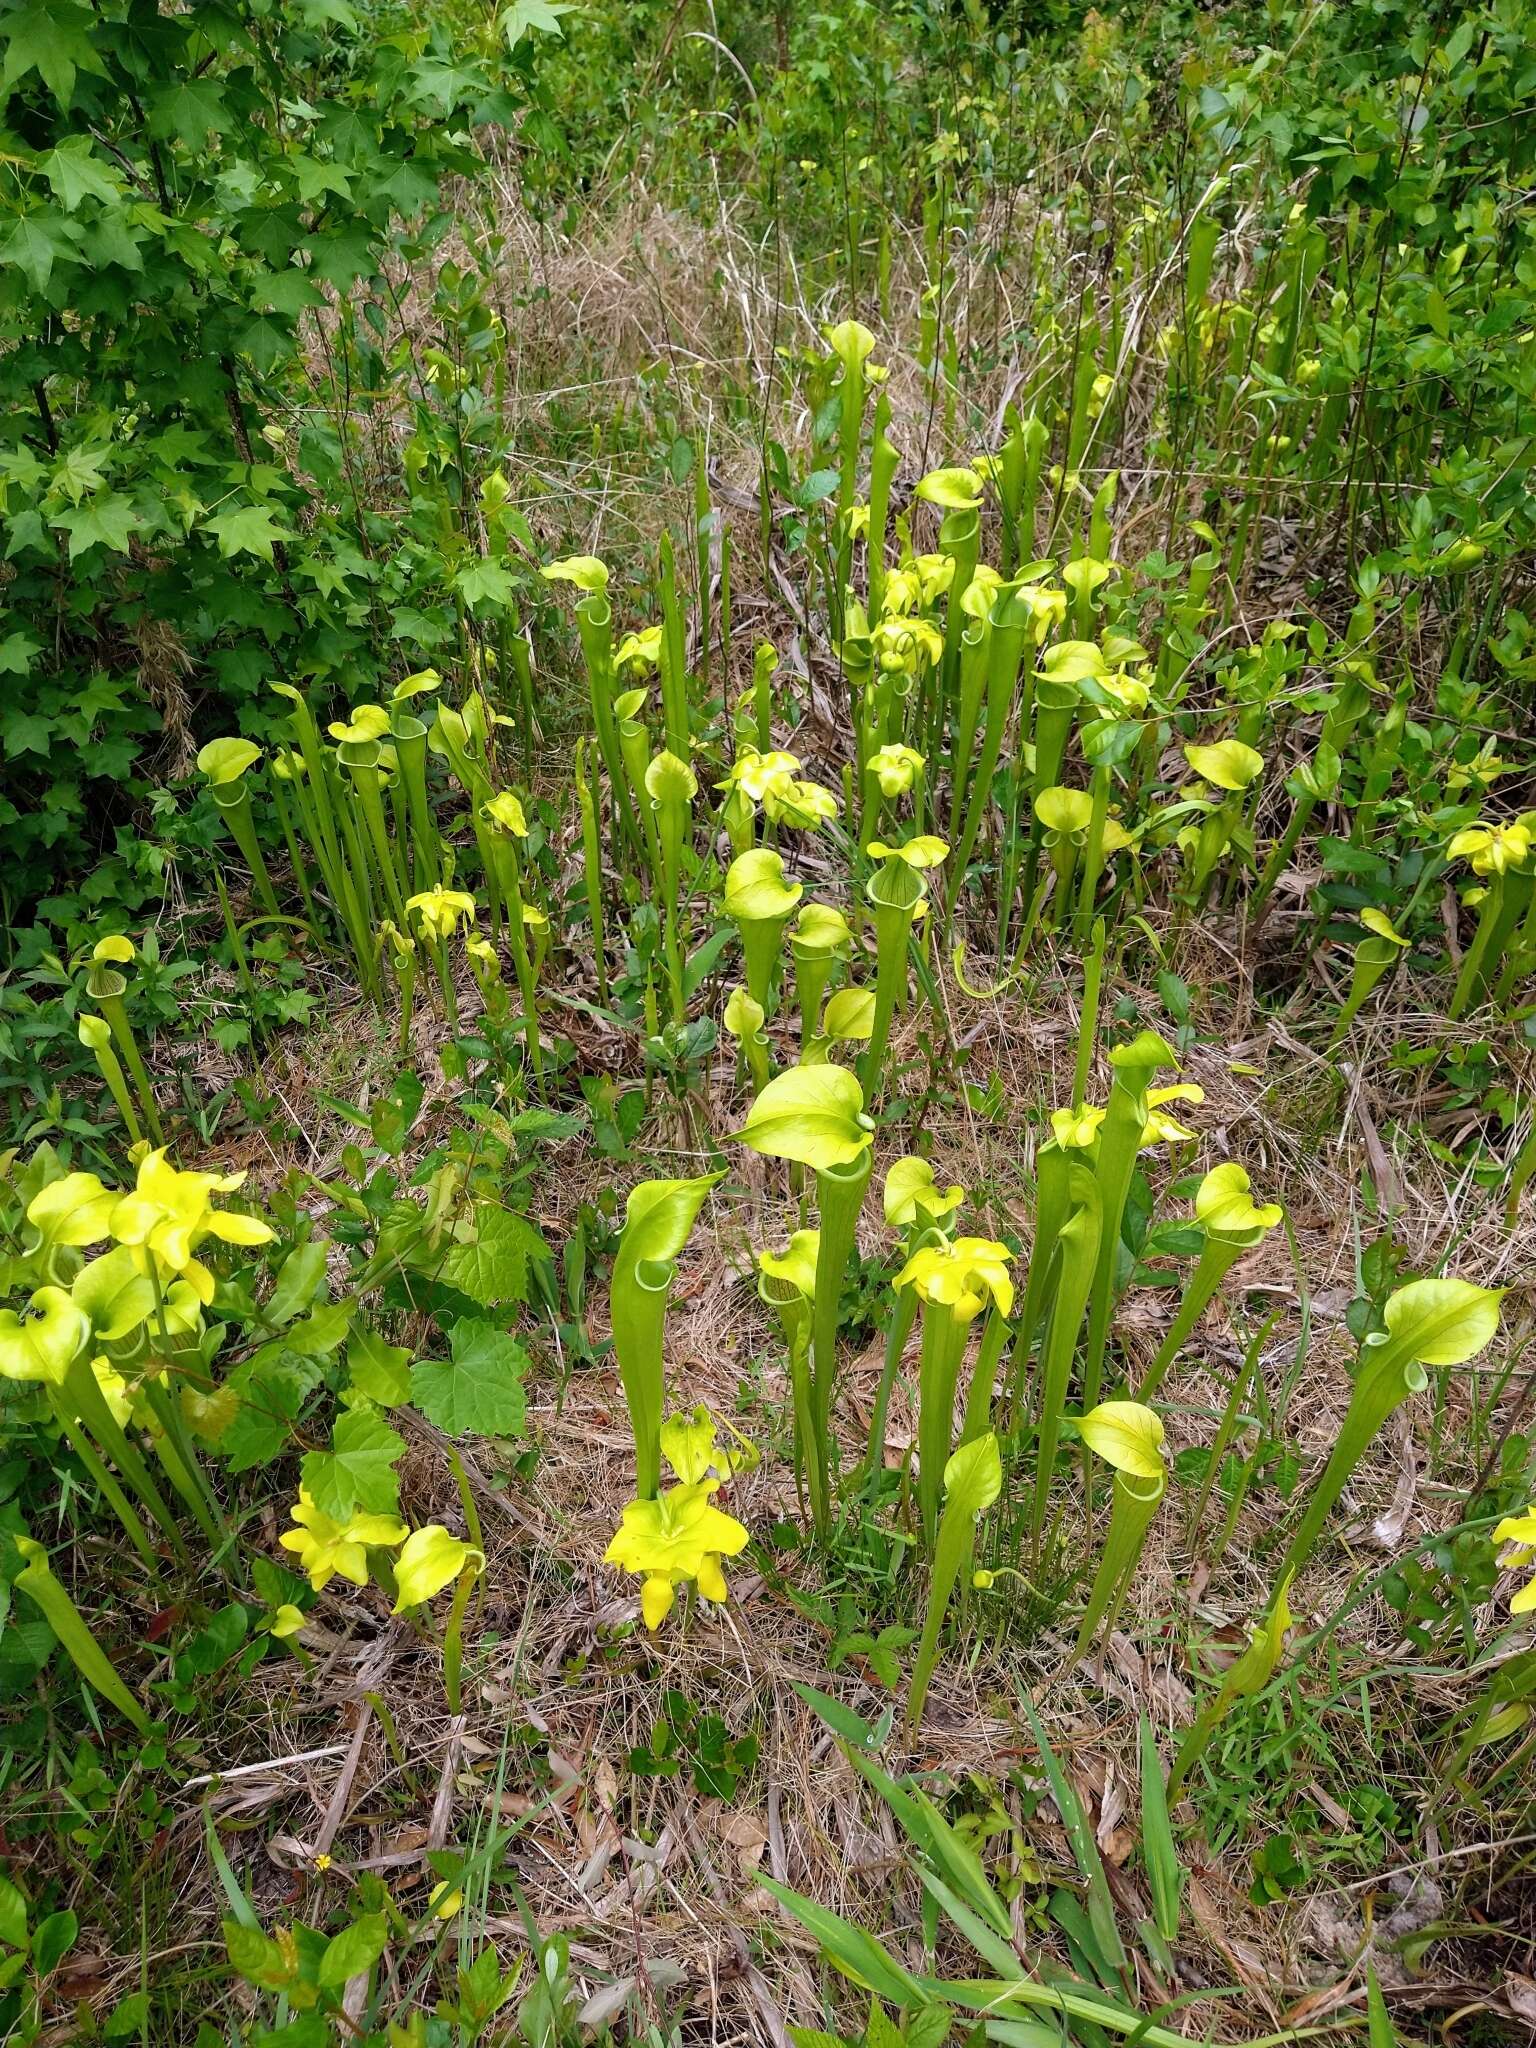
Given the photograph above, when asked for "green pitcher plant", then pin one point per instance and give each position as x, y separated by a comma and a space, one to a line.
956, 1279
786, 1283
1232, 1223
760, 900
670, 786
1500, 856
37, 1581
814, 1116
1375, 957
224, 765
1120, 1137
1441, 1322
973, 1482
743, 1019
1230, 767
1247, 1675
659, 1216
819, 944
1128, 1436
107, 986
897, 894
915, 1205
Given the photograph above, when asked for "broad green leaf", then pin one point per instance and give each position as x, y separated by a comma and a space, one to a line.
492, 1269
52, 1941
50, 38
298, 1282
378, 1370
76, 172
247, 530
479, 1390
107, 520
532, 18
191, 110
358, 1471
271, 1388
13, 1914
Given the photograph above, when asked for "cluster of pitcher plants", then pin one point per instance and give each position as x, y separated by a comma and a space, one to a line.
1023, 767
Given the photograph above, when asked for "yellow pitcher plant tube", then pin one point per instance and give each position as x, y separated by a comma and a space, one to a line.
820, 940
678, 1537
896, 893
37, 1581
1123, 1134
1519, 1532
1248, 1675
658, 1218
95, 1035
1128, 1436
743, 1019
1376, 954
973, 1481
1230, 766
786, 1283
760, 900
1440, 1322
224, 764
814, 1116
847, 1019
1233, 1224
107, 986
